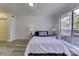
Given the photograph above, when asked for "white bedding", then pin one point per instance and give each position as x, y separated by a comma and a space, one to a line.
46, 45
74, 49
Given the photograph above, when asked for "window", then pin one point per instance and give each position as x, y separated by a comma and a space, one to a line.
76, 22
65, 25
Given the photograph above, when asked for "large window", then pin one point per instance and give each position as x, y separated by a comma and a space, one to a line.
65, 25
69, 27
76, 22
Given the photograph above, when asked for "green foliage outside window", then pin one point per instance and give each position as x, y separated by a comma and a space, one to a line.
77, 21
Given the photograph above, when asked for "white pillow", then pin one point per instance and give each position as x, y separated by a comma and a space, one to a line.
43, 33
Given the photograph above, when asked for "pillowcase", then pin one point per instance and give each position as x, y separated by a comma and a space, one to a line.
37, 33
41, 33
51, 33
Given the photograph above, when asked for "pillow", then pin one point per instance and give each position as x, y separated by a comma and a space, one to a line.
51, 33
41, 33
37, 33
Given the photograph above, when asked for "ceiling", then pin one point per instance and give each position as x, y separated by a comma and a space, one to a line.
39, 9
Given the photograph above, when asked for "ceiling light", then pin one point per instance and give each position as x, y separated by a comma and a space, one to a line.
31, 4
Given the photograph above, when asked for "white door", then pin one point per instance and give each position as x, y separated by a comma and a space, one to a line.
3, 30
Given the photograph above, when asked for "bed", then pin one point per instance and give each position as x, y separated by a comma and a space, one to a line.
45, 45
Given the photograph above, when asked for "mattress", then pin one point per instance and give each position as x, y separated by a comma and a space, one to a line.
46, 45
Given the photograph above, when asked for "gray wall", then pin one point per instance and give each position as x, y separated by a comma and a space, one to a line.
24, 23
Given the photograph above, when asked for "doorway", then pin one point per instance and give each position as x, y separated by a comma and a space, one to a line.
3, 29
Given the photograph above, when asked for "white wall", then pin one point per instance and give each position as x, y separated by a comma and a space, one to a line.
12, 21
56, 23
24, 23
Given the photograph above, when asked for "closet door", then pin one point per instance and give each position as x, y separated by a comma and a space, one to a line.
3, 29
66, 26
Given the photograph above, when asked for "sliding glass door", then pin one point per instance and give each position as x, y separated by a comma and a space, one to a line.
76, 23
75, 33
66, 26
69, 27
